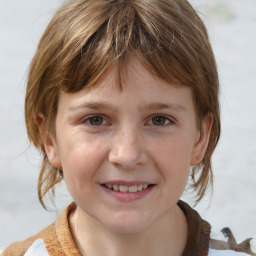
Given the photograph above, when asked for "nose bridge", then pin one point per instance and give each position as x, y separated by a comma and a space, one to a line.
129, 135
127, 148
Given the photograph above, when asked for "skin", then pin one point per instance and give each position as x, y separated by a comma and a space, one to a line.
145, 133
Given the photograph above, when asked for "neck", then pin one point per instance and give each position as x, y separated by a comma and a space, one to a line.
168, 236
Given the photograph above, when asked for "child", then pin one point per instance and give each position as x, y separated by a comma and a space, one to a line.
122, 101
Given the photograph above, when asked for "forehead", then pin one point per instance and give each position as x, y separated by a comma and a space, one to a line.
133, 73
137, 86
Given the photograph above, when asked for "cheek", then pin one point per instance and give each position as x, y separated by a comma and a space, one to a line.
80, 159
172, 158
175, 151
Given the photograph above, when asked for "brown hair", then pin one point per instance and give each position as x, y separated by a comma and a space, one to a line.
85, 37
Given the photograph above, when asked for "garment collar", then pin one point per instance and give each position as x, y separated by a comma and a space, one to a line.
198, 232
197, 242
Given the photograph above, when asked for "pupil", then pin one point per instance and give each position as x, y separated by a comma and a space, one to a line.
96, 120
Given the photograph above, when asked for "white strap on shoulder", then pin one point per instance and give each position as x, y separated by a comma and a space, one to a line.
37, 249
213, 252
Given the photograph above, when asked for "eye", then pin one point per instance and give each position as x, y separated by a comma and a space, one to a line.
95, 120
160, 120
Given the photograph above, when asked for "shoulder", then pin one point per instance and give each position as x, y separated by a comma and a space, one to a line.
56, 239
35, 245
37, 248
224, 243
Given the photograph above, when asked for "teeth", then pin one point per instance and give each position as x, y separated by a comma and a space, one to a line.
140, 187
133, 188
125, 189
116, 187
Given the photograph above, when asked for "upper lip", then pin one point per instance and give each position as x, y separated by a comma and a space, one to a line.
126, 183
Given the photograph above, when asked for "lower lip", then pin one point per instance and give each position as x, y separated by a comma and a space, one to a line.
128, 197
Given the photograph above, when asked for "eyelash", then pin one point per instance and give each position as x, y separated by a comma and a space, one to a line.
88, 120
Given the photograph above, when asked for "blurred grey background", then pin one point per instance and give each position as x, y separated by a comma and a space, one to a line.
232, 29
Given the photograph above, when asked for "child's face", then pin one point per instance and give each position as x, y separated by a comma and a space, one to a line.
145, 134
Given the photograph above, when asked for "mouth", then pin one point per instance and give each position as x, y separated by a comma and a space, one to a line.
127, 189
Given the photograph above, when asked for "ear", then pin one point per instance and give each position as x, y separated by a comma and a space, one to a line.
49, 141
202, 140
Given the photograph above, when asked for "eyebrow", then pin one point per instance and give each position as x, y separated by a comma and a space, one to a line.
151, 106
160, 106
93, 106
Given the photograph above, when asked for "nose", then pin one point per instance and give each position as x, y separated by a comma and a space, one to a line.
128, 150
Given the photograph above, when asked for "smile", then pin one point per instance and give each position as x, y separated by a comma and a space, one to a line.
127, 189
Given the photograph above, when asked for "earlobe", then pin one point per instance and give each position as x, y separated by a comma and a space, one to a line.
50, 143
201, 144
